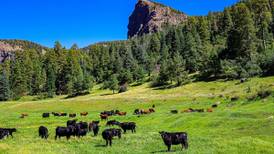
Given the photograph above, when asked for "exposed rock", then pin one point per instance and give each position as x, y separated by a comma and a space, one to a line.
6, 50
149, 17
8, 47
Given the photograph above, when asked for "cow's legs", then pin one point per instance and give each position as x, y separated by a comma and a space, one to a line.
168, 147
186, 145
110, 142
106, 142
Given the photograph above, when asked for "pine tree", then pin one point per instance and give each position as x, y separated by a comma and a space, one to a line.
178, 72
50, 82
4, 86
113, 83
18, 80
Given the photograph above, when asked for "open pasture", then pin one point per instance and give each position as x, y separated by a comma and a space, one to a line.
239, 126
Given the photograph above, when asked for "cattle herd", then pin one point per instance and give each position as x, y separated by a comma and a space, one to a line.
81, 129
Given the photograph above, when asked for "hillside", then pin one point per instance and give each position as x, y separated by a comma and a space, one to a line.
239, 126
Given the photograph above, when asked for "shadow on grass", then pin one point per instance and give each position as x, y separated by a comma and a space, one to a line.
108, 94
100, 146
163, 151
165, 87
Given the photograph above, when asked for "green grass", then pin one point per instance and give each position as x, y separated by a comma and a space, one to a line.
234, 127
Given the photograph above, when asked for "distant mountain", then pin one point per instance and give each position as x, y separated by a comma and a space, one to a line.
7, 47
149, 17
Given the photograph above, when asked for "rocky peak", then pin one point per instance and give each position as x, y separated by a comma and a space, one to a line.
149, 17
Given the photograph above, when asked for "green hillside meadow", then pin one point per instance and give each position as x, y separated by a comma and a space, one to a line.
240, 126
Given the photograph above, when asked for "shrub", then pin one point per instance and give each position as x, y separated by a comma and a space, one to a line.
123, 88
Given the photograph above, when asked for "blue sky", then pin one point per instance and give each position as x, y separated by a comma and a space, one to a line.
81, 21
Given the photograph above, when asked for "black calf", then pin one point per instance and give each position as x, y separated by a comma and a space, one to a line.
43, 132
45, 115
94, 126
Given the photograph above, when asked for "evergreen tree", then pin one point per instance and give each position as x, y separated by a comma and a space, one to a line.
4, 86
50, 82
178, 72
18, 77
113, 83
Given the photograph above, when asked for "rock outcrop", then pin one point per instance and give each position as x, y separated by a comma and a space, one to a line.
150, 17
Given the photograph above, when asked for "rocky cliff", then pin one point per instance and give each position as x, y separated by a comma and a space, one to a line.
149, 17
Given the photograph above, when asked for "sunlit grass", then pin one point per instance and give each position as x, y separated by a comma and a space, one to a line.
234, 127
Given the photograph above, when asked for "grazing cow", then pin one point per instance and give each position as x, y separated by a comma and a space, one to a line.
122, 113
71, 122
174, 111
72, 115
108, 135
137, 111
3, 134
174, 139
43, 132
187, 111
23, 115
45, 115
82, 125
94, 126
63, 114
151, 110
128, 126
209, 110
65, 131
153, 106
108, 113
104, 116
55, 114
214, 106
80, 130
199, 110
9, 130
84, 113
112, 122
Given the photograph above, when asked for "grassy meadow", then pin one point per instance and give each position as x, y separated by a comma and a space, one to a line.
243, 126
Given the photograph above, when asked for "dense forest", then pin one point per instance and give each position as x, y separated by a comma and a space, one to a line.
233, 44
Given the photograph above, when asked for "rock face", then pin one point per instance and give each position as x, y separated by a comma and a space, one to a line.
8, 47
149, 17
6, 51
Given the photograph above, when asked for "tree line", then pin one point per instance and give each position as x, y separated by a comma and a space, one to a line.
236, 43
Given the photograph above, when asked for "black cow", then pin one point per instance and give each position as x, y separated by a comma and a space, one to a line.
175, 139
137, 111
81, 129
72, 115
10, 130
45, 115
65, 131
112, 122
108, 135
43, 132
94, 126
82, 125
81, 132
128, 126
174, 111
3, 134
109, 113
71, 122
214, 106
